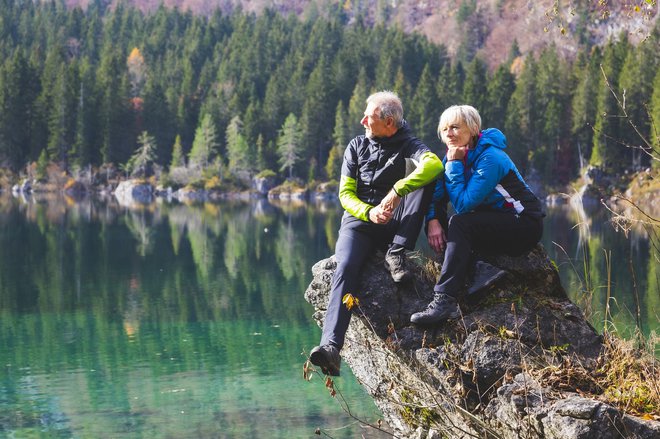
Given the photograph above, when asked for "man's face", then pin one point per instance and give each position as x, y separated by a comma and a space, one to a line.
373, 125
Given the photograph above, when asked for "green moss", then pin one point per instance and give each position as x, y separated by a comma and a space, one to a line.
417, 416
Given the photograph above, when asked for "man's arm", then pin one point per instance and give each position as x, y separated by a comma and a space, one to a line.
349, 199
427, 170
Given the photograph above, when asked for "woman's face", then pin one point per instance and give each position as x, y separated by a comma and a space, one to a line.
456, 134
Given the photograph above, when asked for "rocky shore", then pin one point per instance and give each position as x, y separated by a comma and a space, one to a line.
516, 365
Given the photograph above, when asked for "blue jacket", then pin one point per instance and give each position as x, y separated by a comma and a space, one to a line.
485, 180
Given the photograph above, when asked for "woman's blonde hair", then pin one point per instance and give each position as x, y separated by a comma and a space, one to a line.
460, 113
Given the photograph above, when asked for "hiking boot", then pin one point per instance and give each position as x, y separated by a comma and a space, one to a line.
442, 307
485, 275
327, 358
395, 262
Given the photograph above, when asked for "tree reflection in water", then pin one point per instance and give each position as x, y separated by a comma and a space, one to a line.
180, 318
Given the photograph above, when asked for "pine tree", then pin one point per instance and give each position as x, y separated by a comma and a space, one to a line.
475, 90
316, 132
178, 159
423, 114
17, 105
552, 155
583, 110
500, 88
607, 150
238, 154
522, 120
288, 144
140, 163
655, 126
42, 166
205, 145
449, 87
86, 129
357, 104
635, 83
340, 140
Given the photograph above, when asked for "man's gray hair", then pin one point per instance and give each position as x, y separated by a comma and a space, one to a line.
389, 105
460, 113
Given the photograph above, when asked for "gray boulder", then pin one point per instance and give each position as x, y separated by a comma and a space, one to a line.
471, 377
131, 193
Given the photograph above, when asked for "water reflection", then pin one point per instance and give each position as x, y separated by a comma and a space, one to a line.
613, 277
188, 321
167, 321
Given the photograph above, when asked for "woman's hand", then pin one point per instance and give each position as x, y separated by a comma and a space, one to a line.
457, 153
436, 236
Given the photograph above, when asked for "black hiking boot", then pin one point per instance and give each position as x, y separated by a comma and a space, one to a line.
395, 262
327, 358
485, 275
441, 308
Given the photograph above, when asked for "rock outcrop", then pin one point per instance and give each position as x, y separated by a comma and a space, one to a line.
130, 193
477, 376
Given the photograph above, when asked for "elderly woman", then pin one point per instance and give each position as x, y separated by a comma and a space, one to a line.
496, 212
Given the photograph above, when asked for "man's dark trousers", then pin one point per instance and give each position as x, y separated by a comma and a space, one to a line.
359, 239
484, 232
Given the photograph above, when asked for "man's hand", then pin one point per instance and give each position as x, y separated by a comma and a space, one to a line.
436, 236
378, 215
390, 202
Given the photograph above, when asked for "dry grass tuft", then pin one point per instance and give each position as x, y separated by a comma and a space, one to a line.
626, 376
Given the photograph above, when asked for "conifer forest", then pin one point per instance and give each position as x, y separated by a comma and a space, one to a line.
237, 94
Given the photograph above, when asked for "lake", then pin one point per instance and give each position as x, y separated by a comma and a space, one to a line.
188, 321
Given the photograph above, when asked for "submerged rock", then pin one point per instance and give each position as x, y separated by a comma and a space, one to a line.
472, 377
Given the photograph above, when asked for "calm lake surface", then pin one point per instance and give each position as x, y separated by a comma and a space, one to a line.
179, 321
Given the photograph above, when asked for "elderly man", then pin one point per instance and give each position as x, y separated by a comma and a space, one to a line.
386, 185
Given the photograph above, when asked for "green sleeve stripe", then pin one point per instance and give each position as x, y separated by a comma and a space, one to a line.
430, 166
349, 199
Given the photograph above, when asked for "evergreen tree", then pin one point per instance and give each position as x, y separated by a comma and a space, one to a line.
205, 145
62, 114
140, 163
583, 108
158, 117
552, 155
449, 87
42, 166
607, 149
655, 125
178, 159
316, 132
115, 114
86, 130
475, 90
340, 140
238, 154
357, 104
423, 114
522, 120
17, 101
288, 144
500, 88
635, 83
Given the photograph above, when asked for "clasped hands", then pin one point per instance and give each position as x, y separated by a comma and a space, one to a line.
383, 212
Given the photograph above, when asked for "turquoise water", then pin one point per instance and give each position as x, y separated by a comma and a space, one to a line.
179, 321
169, 322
